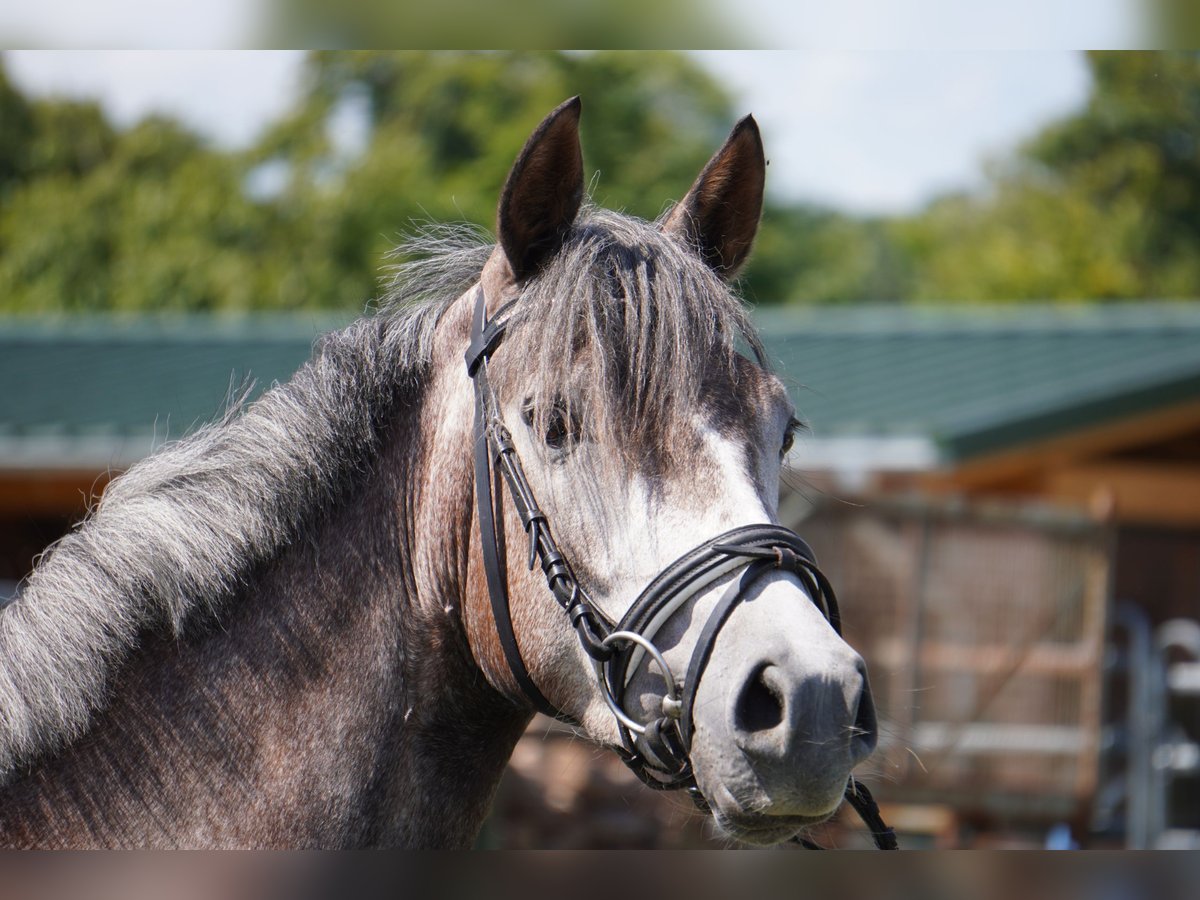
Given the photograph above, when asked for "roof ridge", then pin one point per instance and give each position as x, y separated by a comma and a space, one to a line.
188, 327
883, 320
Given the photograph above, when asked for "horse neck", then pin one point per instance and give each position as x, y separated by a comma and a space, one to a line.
335, 703
458, 731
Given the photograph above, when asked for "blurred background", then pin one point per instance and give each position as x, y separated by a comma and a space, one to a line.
977, 272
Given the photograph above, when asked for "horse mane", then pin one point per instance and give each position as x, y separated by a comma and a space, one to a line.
181, 534
624, 312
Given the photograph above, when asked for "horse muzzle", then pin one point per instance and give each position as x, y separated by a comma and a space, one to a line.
778, 731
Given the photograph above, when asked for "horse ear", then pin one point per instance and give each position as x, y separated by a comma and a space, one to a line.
543, 193
719, 215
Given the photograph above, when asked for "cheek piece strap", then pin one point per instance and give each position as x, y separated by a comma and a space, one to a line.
657, 752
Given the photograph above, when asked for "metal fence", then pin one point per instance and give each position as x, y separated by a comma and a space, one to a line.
983, 628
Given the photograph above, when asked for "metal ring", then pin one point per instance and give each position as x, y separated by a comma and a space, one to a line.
635, 638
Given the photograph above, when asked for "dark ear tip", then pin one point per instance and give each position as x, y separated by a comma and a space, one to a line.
543, 192
572, 107
747, 127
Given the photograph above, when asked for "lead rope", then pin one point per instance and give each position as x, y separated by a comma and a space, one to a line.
864, 804
860, 800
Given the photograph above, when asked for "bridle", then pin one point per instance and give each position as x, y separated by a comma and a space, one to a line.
657, 752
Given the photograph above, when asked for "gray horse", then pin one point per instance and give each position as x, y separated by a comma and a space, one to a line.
277, 632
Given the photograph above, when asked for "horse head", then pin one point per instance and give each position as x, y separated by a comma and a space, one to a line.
629, 438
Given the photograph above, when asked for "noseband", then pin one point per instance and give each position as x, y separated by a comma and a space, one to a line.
657, 752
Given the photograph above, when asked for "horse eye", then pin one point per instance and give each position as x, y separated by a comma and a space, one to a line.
560, 430
789, 438
557, 430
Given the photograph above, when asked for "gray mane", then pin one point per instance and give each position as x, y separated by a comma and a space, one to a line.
624, 313
180, 534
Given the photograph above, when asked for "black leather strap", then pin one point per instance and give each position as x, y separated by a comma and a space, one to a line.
729, 551
864, 804
756, 550
731, 546
485, 335
489, 508
734, 595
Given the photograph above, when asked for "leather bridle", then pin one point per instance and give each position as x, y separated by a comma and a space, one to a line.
657, 752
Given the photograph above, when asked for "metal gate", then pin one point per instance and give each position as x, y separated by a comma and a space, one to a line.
983, 628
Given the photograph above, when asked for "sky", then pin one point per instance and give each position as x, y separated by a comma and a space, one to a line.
883, 131
864, 131
923, 25
770, 24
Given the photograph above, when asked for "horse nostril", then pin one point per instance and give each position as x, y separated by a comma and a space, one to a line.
759, 707
866, 729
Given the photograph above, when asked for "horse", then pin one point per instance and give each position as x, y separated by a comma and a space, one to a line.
303, 626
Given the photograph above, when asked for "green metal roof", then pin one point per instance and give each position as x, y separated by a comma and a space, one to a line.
975, 380
102, 390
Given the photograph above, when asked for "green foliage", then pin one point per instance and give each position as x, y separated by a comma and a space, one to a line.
805, 254
1102, 204
466, 24
147, 219
16, 134
152, 219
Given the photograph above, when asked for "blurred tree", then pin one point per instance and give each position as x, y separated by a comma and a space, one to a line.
441, 131
151, 218
1101, 204
1135, 150
475, 24
1104, 203
144, 219
808, 254
16, 134
69, 138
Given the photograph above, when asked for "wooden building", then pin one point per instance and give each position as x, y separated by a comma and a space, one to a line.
83, 398
1094, 409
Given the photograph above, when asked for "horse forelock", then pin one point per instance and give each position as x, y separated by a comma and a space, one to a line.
629, 323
